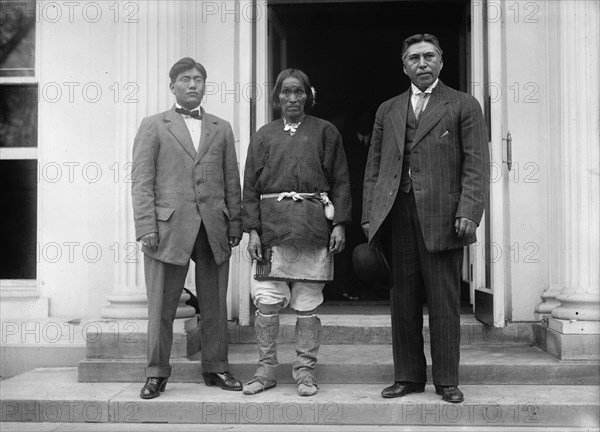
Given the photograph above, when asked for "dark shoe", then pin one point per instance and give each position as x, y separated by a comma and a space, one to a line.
402, 388
450, 393
153, 387
224, 380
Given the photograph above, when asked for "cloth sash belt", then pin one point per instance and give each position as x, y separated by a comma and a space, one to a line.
299, 196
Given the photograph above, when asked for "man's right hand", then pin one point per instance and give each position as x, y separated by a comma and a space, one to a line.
255, 246
365, 228
150, 240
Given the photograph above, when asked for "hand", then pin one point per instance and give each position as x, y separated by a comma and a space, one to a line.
150, 240
365, 228
337, 240
233, 241
254, 246
464, 226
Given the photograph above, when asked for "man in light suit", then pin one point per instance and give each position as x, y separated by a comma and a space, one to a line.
425, 189
187, 204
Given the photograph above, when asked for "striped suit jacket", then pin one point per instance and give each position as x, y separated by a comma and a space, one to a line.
449, 164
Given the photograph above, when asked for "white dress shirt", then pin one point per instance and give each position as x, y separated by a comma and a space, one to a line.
194, 126
416, 94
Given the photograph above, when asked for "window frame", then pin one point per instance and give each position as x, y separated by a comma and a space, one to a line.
25, 288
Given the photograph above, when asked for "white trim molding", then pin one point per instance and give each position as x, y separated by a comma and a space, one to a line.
18, 288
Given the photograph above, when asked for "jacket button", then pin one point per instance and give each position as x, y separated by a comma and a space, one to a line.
391, 193
198, 182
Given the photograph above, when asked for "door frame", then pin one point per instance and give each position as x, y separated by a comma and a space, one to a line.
488, 301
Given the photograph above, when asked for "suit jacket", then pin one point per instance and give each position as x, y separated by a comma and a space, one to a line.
449, 164
175, 188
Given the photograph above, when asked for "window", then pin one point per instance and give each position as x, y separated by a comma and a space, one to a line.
18, 147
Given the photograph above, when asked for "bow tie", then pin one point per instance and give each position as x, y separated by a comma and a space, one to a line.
291, 127
193, 114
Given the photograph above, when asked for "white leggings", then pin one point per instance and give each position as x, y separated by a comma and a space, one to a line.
300, 296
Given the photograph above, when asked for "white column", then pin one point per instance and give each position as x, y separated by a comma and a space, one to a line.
146, 52
579, 156
556, 253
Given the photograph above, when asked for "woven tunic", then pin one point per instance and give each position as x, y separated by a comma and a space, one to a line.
311, 161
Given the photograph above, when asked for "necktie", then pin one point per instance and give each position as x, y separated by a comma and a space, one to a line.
193, 114
420, 104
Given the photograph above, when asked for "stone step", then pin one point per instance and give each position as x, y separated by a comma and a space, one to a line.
127, 338
245, 427
362, 364
54, 395
377, 329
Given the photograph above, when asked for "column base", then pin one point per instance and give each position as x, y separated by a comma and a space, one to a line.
549, 301
567, 339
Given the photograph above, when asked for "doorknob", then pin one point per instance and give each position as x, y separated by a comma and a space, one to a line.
508, 140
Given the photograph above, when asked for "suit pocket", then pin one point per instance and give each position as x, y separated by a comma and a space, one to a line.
164, 213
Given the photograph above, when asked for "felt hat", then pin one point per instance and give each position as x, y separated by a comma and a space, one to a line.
370, 264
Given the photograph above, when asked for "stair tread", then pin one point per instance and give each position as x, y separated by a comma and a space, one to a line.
505, 355
376, 320
59, 383
511, 354
49, 389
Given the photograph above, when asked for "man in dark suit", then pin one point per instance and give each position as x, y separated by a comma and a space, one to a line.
187, 204
426, 186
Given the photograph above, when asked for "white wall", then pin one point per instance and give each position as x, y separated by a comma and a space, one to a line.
77, 157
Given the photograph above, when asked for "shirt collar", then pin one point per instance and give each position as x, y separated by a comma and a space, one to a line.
416, 91
194, 109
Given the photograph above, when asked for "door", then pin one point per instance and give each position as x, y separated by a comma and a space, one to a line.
486, 267
489, 257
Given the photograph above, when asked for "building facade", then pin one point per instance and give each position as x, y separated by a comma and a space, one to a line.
71, 111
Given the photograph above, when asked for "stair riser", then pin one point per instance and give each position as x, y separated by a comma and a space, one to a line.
560, 374
109, 345
332, 334
310, 412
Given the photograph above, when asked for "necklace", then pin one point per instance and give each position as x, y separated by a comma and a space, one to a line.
290, 127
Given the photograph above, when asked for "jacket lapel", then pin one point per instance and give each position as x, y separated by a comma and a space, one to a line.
435, 110
180, 131
398, 119
207, 134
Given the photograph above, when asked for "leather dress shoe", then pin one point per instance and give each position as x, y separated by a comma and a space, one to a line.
450, 393
402, 388
153, 387
224, 380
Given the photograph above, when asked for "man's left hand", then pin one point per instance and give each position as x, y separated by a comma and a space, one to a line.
234, 241
464, 226
337, 240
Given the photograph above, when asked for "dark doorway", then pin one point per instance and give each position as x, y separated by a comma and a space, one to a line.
351, 52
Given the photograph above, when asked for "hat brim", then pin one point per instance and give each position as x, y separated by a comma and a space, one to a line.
370, 264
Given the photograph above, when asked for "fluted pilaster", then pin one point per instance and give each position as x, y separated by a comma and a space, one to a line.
580, 140
146, 50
